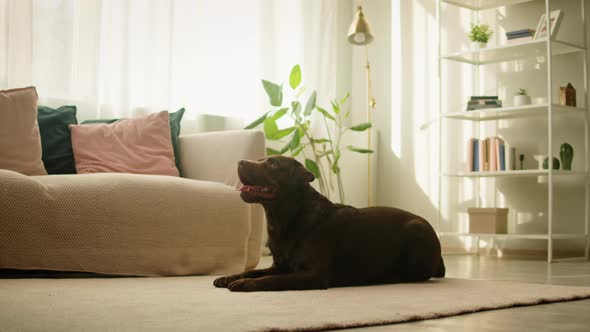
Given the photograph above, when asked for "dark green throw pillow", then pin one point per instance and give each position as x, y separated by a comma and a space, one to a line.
175, 119
56, 142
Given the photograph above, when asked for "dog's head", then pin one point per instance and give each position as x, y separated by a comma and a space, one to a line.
271, 178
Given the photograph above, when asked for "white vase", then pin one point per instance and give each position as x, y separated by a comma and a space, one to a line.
478, 45
520, 100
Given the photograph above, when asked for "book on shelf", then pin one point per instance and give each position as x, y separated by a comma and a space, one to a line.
482, 102
520, 33
491, 154
470, 162
485, 102
481, 107
480, 155
483, 97
476, 155
519, 40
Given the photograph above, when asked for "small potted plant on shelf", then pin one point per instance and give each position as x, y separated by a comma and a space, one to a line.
480, 35
521, 97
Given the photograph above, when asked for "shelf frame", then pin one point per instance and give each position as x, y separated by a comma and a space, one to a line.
548, 48
511, 52
483, 4
516, 173
511, 112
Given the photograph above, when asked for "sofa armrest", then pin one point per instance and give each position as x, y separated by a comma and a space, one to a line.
214, 156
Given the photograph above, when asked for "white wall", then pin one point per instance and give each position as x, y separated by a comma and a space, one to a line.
404, 63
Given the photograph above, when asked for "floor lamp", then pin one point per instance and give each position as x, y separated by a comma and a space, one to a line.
360, 34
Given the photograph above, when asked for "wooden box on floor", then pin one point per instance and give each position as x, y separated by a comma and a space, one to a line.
488, 220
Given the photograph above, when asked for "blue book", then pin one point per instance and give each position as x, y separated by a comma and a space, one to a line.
519, 32
528, 34
502, 161
475, 155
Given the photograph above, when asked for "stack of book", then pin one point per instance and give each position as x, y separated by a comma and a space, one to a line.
482, 102
491, 154
518, 36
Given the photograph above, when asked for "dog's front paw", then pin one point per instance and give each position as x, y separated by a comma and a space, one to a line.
243, 285
223, 282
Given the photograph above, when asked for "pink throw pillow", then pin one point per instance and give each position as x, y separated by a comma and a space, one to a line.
141, 145
20, 143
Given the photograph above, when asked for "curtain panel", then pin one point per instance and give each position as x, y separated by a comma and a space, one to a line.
121, 58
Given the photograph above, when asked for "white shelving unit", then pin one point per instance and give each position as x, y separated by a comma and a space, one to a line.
548, 48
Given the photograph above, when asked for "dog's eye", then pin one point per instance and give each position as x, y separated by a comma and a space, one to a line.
271, 162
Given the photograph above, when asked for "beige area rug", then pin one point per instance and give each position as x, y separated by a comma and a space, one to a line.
193, 304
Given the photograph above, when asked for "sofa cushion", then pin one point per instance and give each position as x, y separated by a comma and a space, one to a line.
58, 156
138, 145
20, 143
175, 119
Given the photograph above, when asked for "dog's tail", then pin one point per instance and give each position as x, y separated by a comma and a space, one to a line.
440, 270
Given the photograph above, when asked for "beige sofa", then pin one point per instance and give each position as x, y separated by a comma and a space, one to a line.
138, 224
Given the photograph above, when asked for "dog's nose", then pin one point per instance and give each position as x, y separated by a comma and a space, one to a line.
241, 162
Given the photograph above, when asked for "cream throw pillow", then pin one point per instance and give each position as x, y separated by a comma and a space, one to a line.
20, 143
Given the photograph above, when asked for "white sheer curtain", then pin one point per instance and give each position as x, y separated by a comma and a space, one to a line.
116, 58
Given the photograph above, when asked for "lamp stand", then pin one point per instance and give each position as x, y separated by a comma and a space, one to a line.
370, 106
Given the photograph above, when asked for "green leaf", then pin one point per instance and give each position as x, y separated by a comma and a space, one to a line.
285, 148
335, 168
320, 140
296, 106
335, 107
295, 77
295, 140
283, 132
279, 114
274, 92
301, 130
359, 150
361, 126
310, 104
343, 100
257, 121
297, 151
270, 128
270, 152
336, 159
325, 113
312, 167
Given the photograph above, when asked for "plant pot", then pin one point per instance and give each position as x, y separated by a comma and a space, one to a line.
555, 163
566, 153
540, 158
520, 100
478, 45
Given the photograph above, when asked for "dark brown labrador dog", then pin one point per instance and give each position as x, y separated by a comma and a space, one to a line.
316, 244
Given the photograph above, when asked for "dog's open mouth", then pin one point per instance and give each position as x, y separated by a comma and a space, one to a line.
265, 192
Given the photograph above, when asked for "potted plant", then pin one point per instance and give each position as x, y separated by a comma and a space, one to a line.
480, 35
320, 154
521, 98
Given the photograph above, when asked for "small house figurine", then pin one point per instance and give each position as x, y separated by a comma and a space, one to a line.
567, 95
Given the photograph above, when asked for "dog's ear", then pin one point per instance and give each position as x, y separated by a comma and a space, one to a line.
307, 175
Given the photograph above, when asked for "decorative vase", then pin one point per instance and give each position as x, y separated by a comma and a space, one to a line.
566, 152
520, 100
555, 163
478, 45
540, 158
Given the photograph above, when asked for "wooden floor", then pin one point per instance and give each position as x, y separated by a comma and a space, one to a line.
567, 316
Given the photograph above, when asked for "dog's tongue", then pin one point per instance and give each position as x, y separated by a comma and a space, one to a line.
262, 191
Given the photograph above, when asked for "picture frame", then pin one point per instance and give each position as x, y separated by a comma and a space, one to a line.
541, 31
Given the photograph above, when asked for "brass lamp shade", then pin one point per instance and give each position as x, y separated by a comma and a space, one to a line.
360, 32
